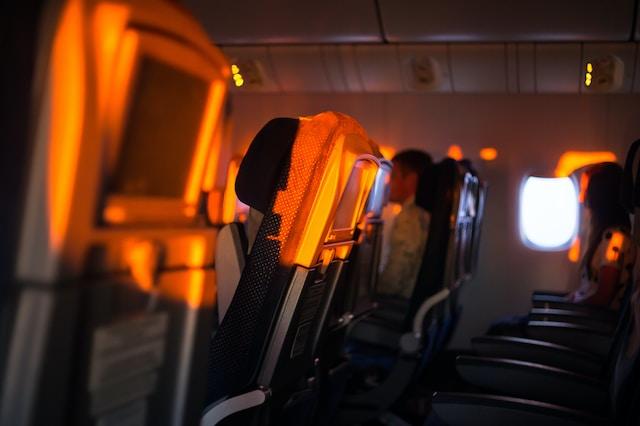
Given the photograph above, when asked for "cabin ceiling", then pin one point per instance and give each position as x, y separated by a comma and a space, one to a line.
425, 46
416, 21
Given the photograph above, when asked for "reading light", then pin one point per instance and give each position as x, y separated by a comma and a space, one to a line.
455, 152
237, 77
488, 154
588, 76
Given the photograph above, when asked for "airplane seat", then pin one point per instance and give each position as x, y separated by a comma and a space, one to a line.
310, 178
354, 298
113, 269
403, 348
536, 392
467, 239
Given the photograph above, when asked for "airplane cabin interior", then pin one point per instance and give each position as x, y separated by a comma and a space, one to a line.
288, 213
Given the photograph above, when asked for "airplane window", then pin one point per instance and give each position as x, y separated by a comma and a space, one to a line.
548, 212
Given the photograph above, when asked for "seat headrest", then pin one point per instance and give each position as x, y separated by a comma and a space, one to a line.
426, 189
262, 165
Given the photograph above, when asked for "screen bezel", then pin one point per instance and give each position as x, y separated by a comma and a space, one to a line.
346, 233
118, 209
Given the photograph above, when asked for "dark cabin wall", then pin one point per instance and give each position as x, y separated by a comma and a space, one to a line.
529, 131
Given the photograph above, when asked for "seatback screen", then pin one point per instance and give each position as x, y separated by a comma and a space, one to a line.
161, 132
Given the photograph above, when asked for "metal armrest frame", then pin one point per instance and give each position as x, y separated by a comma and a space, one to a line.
590, 339
539, 352
475, 409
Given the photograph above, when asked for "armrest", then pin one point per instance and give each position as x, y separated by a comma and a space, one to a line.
375, 331
573, 317
219, 411
468, 409
539, 352
593, 311
534, 381
590, 339
390, 314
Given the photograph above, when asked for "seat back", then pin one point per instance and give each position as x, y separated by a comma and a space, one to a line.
477, 226
467, 213
624, 372
355, 295
310, 178
441, 193
114, 271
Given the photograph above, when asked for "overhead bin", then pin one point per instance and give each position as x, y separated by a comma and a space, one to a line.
557, 68
255, 66
379, 68
288, 21
409, 21
437, 68
300, 67
479, 68
425, 67
618, 59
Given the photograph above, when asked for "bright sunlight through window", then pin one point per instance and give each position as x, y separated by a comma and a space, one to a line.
548, 212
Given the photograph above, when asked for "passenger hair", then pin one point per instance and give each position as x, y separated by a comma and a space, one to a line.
413, 160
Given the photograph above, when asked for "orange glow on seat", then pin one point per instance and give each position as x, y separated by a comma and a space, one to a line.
142, 258
323, 205
570, 161
209, 122
114, 214
488, 154
67, 79
387, 151
574, 251
455, 152
209, 179
109, 23
229, 201
196, 288
615, 247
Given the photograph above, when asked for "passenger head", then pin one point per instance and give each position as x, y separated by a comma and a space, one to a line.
602, 197
407, 167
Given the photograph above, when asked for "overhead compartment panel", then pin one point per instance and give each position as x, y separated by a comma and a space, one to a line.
288, 21
379, 68
300, 68
410, 21
624, 54
432, 60
478, 68
557, 68
526, 63
261, 76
